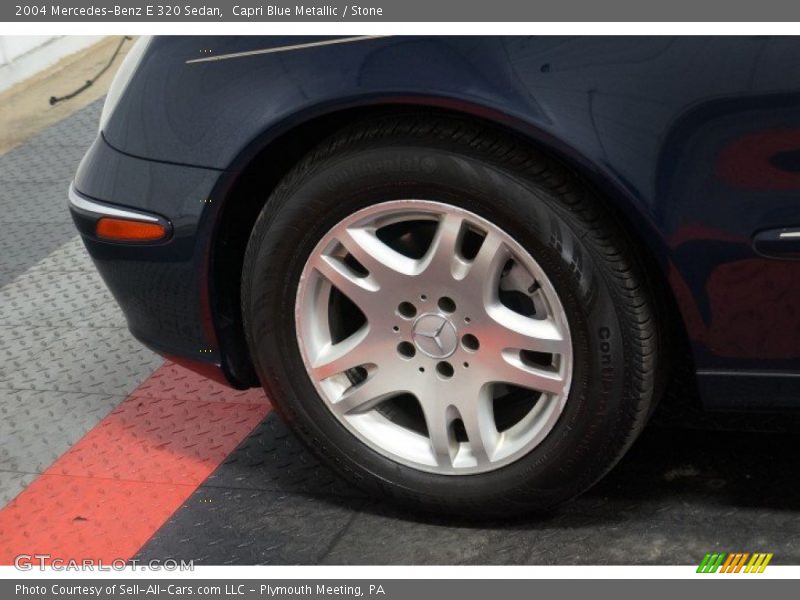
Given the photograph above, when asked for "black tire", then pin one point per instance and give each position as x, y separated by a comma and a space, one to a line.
546, 208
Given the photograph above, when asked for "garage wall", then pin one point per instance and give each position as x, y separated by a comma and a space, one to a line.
22, 57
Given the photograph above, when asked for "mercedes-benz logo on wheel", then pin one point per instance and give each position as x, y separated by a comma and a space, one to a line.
435, 335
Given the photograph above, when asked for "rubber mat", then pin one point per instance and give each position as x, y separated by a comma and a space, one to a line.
107, 495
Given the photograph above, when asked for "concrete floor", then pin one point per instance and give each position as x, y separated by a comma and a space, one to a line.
68, 361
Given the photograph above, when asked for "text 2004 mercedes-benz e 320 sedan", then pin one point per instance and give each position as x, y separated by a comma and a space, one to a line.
464, 269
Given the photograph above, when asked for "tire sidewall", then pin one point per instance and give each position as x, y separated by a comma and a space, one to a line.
325, 191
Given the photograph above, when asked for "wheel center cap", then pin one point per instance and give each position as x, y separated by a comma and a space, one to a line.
435, 335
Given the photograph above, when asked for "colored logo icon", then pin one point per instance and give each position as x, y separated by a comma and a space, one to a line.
735, 562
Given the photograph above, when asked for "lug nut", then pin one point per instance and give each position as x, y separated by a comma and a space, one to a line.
407, 310
406, 349
470, 342
447, 304
445, 369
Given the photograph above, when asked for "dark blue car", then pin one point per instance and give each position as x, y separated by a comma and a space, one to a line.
465, 269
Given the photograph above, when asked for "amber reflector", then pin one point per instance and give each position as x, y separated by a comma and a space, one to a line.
123, 230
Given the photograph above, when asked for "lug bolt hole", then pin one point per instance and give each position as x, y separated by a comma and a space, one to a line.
470, 342
395, 329
466, 365
445, 369
447, 304
406, 349
407, 310
467, 320
423, 297
422, 369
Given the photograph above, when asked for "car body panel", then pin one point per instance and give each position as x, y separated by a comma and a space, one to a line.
695, 140
162, 288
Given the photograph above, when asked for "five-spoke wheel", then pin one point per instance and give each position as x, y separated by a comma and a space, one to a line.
434, 336
448, 318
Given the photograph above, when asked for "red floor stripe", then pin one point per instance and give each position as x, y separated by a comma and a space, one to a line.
109, 493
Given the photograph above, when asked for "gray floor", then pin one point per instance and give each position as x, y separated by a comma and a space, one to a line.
67, 357
678, 494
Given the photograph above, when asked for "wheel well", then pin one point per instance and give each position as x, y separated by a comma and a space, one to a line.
246, 195
243, 199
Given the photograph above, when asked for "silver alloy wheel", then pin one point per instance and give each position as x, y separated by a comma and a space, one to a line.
448, 325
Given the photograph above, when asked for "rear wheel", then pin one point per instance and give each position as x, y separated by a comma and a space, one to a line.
449, 319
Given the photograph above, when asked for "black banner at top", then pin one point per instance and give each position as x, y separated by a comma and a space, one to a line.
400, 10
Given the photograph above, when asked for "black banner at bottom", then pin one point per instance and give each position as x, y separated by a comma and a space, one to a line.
388, 589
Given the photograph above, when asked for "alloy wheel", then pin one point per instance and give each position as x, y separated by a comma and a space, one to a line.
434, 337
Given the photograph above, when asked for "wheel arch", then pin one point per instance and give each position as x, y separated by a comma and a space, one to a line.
245, 186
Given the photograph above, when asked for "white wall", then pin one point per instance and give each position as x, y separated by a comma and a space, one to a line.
24, 56
14, 46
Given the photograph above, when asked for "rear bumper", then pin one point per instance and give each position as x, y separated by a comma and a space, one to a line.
162, 287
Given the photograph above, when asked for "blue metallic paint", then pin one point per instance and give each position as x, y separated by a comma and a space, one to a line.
693, 139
